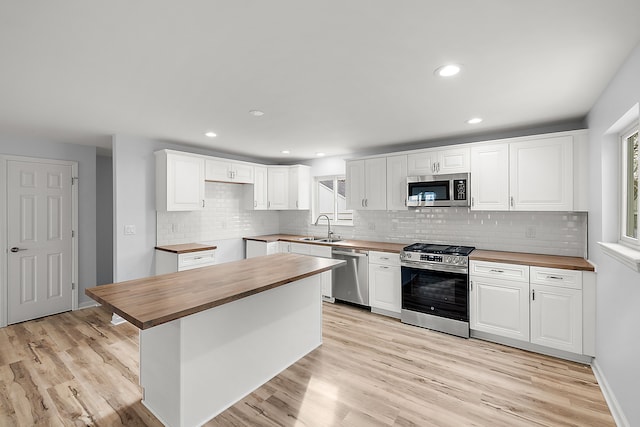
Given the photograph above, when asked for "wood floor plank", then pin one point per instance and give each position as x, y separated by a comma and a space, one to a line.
77, 369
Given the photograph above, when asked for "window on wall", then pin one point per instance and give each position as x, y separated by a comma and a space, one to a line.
629, 188
330, 199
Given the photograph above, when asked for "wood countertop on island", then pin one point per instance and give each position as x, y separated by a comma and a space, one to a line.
155, 300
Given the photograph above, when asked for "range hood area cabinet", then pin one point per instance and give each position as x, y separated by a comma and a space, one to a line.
179, 181
225, 171
436, 162
529, 174
279, 188
367, 184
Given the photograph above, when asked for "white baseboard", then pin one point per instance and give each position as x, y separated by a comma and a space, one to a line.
609, 396
87, 304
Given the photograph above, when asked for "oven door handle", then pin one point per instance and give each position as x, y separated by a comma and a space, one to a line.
444, 268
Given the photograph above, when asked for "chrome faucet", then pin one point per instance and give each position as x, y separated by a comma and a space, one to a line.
329, 232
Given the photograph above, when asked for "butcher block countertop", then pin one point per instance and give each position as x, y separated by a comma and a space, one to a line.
186, 248
155, 300
537, 260
351, 244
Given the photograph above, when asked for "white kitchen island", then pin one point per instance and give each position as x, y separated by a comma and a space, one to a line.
213, 335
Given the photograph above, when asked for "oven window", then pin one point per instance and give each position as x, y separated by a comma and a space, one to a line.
438, 293
428, 191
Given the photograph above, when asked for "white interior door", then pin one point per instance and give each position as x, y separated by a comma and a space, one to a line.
39, 217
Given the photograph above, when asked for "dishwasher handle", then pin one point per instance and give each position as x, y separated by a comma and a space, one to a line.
353, 254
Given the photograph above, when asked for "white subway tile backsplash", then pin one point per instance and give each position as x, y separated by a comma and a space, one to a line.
556, 233
224, 217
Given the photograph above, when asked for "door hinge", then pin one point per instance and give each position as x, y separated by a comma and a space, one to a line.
73, 285
73, 233
74, 179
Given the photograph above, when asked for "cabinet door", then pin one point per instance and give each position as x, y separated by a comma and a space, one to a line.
556, 317
397, 183
278, 187
259, 199
541, 174
490, 177
217, 170
500, 307
255, 248
455, 160
184, 183
385, 288
421, 163
242, 173
375, 184
355, 191
299, 187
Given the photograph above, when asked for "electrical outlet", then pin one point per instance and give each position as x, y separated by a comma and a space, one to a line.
129, 229
372, 226
174, 227
530, 232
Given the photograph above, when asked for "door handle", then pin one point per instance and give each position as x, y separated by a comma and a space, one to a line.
15, 249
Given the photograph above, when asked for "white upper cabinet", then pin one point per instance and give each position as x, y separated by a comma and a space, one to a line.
541, 173
225, 171
179, 181
277, 187
299, 187
367, 184
490, 177
256, 194
535, 174
435, 162
397, 183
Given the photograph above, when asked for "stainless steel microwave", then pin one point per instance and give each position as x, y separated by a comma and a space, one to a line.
439, 190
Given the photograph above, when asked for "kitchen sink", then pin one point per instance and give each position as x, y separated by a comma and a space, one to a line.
319, 239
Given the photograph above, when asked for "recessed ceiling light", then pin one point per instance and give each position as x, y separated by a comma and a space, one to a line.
285, 151
210, 134
448, 70
256, 113
320, 154
474, 121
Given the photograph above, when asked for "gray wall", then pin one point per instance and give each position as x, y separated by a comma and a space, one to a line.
86, 158
618, 297
104, 219
134, 202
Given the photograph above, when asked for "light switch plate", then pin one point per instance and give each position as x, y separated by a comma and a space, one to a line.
129, 229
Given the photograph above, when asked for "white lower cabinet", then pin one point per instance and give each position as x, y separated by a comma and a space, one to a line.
385, 285
319, 251
541, 306
499, 299
556, 308
170, 262
256, 248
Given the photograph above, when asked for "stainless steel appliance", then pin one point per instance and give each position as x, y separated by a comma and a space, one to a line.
439, 190
435, 287
351, 281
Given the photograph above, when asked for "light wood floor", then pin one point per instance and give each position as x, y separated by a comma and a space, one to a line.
76, 369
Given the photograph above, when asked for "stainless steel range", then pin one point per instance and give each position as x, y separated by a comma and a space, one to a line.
435, 287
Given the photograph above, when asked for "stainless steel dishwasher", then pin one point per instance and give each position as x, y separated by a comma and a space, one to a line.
351, 281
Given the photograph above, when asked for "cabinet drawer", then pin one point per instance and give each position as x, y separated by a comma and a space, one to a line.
557, 277
195, 259
513, 272
384, 258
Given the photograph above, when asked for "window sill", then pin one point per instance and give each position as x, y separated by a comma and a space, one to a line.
624, 254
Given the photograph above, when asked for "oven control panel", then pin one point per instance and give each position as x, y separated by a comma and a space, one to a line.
434, 258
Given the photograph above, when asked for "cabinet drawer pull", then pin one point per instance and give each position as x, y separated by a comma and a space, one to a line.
533, 294
198, 257
384, 266
555, 277
496, 271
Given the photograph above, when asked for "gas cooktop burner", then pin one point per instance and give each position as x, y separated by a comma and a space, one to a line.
439, 249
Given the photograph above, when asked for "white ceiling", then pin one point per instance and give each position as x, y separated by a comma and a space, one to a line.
337, 76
